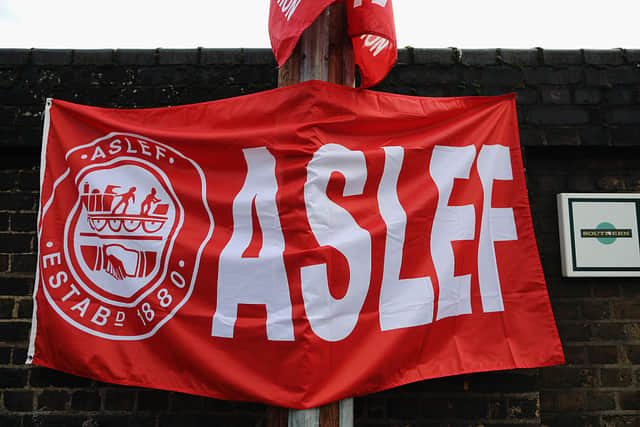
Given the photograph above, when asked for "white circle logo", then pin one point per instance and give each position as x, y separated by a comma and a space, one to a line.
113, 270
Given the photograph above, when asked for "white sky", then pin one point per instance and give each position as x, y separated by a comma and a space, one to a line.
593, 24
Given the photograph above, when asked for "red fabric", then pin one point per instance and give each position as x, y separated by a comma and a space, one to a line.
373, 35
139, 208
370, 26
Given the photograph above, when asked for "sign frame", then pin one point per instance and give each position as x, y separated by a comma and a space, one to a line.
590, 251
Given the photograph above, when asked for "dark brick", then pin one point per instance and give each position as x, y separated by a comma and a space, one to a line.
125, 420
569, 419
28, 180
563, 137
521, 380
620, 420
497, 408
85, 400
119, 400
25, 308
7, 180
199, 419
619, 95
16, 242
596, 310
23, 221
558, 115
502, 76
479, 57
6, 308
405, 56
604, 57
51, 56
630, 115
266, 57
626, 310
5, 355
153, 400
519, 57
616, 377
38, 419
530, 137
10, 421
16, 286
588, 96
14, 331
23, 263
4, 262
136, 56
19, 355
221, 56
8, 116
546, 75
612, 76
632, 55
403, 408
438, 407
52, 400
565, 376
45, 377
633, 353
13, 377
14, 57
17, 201
600, 400
562, 400
528, 408
594, 136
562, 57
526, 96
178, 56
629, 399
566, 310
631, 331
556, 95
575, 355
18, 400
182, 401
608, 331
602, 354
622, 136
433, 56
93, 56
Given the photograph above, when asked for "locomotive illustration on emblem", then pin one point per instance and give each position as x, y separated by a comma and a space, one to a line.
110, 228
125, 216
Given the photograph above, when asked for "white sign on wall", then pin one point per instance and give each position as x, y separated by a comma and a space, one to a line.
599, 234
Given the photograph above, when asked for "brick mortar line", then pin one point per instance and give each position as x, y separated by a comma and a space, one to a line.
17, 275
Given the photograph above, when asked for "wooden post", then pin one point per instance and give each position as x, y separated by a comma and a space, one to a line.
324, 52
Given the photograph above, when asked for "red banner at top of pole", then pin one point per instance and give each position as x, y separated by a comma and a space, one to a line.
370, 26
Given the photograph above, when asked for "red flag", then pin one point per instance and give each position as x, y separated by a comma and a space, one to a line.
360, 241
373, 36
370, 26
287, 20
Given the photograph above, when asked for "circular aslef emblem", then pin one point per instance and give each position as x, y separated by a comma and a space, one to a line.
109, 233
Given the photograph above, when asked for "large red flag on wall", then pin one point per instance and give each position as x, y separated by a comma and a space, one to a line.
296, 246
370, 26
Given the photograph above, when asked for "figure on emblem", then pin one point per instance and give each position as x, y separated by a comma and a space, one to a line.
148, 201
125, 198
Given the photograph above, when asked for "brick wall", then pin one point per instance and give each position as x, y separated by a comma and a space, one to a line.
579, 115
